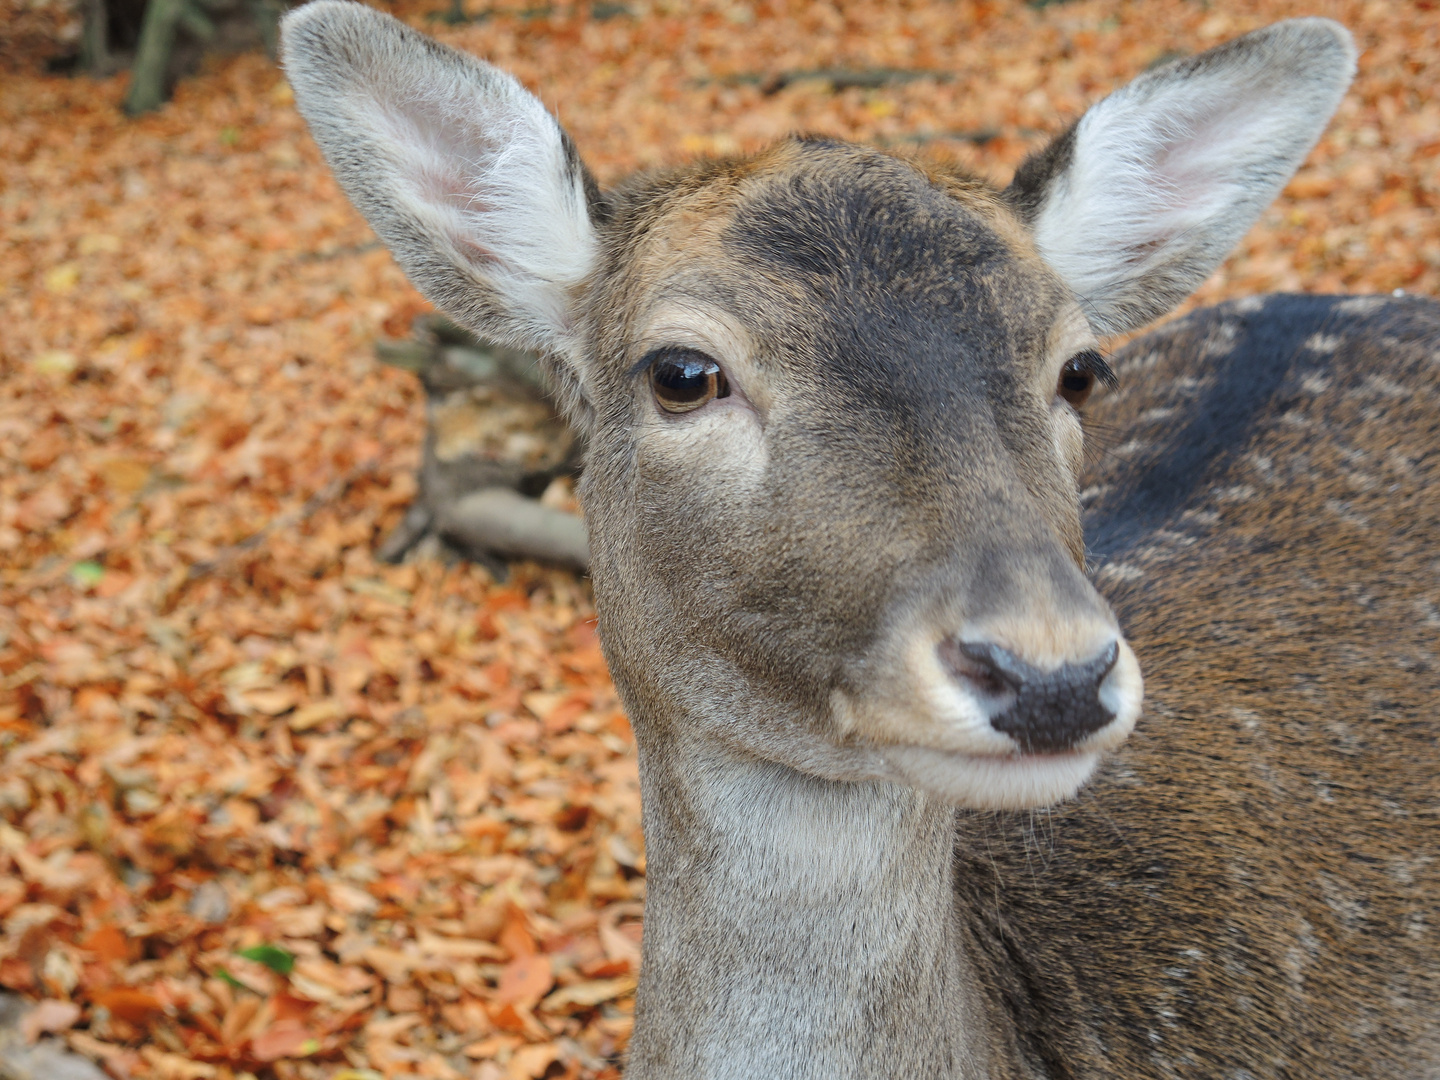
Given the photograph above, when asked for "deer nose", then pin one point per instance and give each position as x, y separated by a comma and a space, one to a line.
1045, 712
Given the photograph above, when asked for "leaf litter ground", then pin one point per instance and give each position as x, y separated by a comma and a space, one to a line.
274, 808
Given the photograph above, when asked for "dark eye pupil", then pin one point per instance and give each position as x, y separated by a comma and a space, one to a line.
1079, 375
685, 379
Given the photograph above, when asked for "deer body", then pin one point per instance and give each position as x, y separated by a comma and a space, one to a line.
833, 486
1248, 886
1258, 860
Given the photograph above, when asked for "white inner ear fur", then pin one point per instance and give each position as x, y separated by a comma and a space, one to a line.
491, 178
1143, 177
459, 169
1168, 173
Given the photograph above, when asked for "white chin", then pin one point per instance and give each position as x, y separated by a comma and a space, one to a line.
1018, 782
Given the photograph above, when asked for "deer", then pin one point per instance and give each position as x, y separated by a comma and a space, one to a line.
862, 590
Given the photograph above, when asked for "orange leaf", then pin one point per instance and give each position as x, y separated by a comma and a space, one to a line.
16, 974
517, 1020
289, 1007
127, 1003
524, 980
516, 938
1310, 186
107, 943
283, 1039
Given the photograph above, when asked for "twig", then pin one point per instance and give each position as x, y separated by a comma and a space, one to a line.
329, 493
837, 79
979, 138
339, 252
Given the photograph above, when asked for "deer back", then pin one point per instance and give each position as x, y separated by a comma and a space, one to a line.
1250, 887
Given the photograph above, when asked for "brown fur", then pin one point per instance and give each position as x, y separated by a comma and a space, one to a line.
1251, 886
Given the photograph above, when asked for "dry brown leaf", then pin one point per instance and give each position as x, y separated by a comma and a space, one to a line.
529, 1062
589, 994
47, 1017
524, 980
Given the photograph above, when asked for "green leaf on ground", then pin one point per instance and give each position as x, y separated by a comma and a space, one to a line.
272, 956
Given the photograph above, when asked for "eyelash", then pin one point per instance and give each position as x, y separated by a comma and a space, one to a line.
1079, 376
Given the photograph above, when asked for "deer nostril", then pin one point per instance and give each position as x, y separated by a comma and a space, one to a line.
987, 667
1043, 711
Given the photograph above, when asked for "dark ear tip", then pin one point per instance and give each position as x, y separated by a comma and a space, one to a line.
1026, 190
1326, 43
302, 24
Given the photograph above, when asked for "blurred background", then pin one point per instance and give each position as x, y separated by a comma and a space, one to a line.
271, 805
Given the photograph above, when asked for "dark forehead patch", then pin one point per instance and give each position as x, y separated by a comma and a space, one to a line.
841, 216
905, 310
901, 285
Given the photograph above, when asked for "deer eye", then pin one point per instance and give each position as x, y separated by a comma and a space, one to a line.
685, 379
1079, 375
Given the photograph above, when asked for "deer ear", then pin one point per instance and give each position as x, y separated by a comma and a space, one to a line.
1140, 201
463, 174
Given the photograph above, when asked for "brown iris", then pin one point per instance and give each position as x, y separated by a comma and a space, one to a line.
685, 379
1079, 375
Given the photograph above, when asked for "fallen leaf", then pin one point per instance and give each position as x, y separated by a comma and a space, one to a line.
272, 701
107, 942
493, 1046
288, 1038
55, 362
169, 1066
518, 1020
393, 1026
273, 957
458, 948
314, 714
125, 475
47, 1017
63, 278
524, 980
589, 994
530, 1062
127, 1003
100, 243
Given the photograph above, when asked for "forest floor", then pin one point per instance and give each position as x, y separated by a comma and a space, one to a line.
275, 808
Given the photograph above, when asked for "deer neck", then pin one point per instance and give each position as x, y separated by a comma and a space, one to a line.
797, 927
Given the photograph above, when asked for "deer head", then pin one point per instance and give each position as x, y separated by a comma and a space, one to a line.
832, 398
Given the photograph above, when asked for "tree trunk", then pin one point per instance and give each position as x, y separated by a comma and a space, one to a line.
95, 39
152, 56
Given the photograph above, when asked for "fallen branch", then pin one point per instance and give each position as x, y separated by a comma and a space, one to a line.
834, 79
493, 441
504, 522
978, 138
329, 493
182, 578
